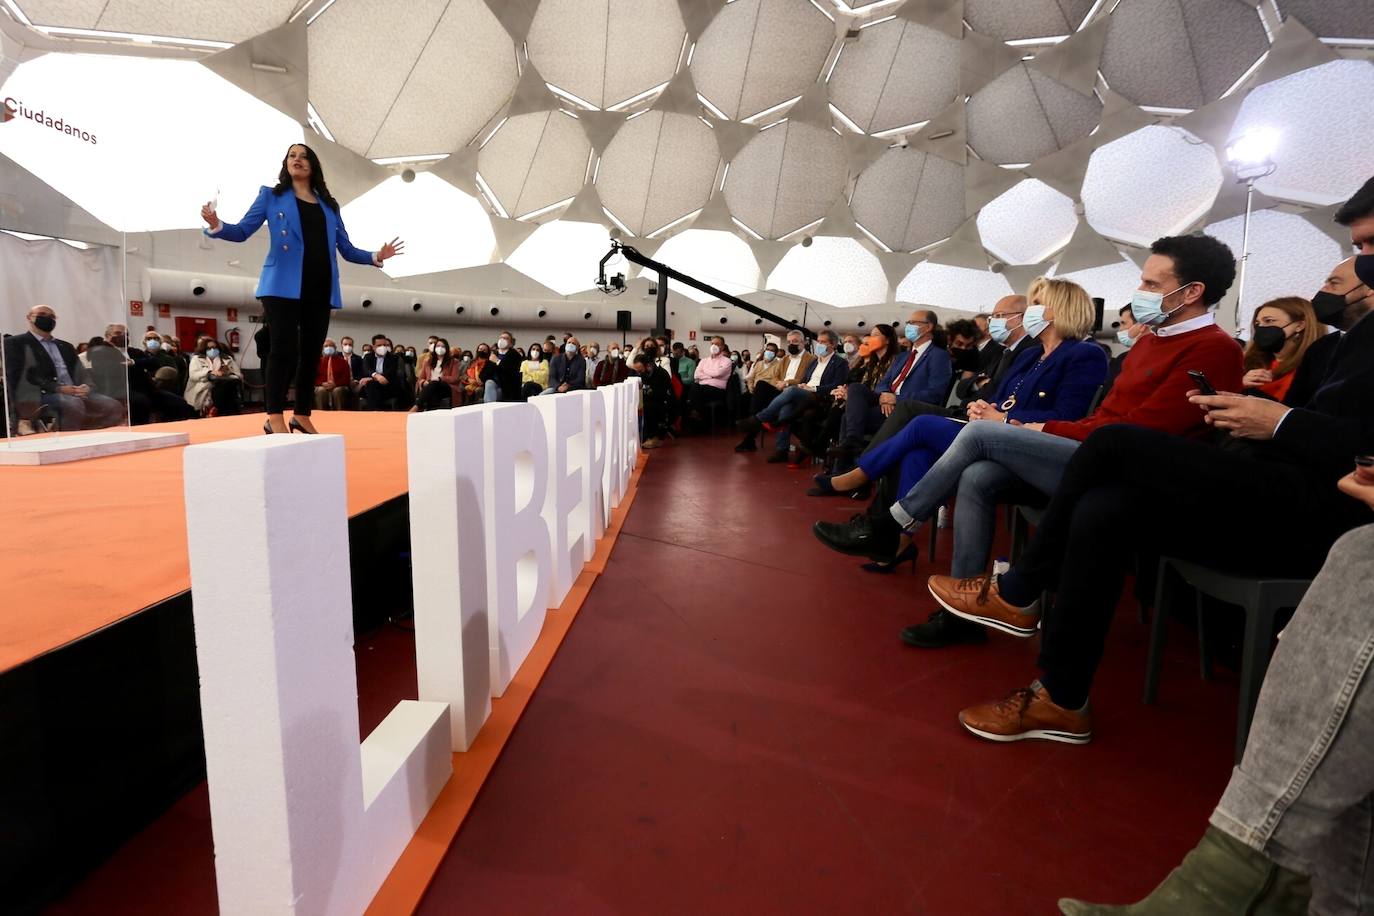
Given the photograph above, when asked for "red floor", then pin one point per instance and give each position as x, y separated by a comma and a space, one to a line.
732, 726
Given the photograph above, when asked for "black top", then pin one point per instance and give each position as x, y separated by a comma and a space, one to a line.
316, 273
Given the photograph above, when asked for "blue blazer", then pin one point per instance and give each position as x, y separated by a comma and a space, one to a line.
928, 381
836, 372
281, 271
571, 371
1060, 388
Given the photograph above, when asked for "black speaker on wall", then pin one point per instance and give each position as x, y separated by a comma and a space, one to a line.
622, 321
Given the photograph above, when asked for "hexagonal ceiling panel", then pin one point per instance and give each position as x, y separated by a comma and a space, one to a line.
1113, 282
1288, 257
786, 177
1025, 18
943, 287
233, 22
406, 100
759, 53
840, 272
444, 228
1027, 224
910, 199
1323, 153
1153, 182
1024, 115
1180, 53
659, 167
1330, 20
535, 160
562, 255
721, 259
914, 70
580, 46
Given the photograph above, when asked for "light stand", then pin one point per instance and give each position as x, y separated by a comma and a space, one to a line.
1250, 157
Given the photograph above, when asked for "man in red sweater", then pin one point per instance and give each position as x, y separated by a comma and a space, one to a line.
990, 463
1129, 491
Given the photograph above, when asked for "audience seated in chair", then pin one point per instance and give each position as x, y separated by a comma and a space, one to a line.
656, 396
333, 379
380, 385
811, 390
440, 380
215, 380
1268, 466
567, 370
43, 376
768, 376
147, 402
858, 401
611, 370
1281, 332
501, 374
474, 389
709, 382
534, 373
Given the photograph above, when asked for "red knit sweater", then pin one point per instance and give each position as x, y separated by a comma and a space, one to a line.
1152, 388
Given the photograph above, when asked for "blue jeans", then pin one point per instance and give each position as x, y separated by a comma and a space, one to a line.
783, 410
491, 392
862, 416
1036, 458
915, 449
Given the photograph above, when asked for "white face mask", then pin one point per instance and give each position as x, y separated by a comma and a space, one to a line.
503, 345
348, 348
715, 350
570, 349
328, 351
850, 348
593, 353
381, 351
440, 351
615, 354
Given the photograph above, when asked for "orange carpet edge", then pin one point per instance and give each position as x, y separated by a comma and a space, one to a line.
405, 886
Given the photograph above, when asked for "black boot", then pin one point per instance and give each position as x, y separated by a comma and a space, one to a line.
943, 629
875, 537
748, 443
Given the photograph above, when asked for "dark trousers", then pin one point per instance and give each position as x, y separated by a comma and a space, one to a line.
432, 395
700, 398
1130, 491
862, 416
297, 328
377, 396
762, 395
225, 395
886, 491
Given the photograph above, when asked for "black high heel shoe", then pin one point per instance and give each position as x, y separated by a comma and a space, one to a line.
295, 426
911, 553
823, 486
267, 427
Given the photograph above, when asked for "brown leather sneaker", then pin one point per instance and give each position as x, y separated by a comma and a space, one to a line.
1028, 712
976, 599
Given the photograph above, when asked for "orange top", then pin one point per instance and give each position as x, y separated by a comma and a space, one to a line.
1278, 388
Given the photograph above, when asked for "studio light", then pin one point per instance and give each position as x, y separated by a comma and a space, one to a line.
1251, 157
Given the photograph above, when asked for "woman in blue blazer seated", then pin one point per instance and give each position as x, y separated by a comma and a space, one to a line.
300, 277
1055, 382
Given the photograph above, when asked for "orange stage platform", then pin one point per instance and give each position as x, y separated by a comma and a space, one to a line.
89, 543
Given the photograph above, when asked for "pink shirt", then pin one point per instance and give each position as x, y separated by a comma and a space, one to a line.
714, 371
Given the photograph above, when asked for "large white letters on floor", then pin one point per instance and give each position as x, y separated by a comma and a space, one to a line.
304, 820
506, 502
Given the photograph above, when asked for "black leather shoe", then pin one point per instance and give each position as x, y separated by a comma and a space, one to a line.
748, 444
777, 458
860, 537
943, 629
749, 426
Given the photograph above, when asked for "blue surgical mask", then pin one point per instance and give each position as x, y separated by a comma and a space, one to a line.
212, 353
1148, 308
998, 330
769, 355
821, 350
328, 351
1125, 339
152, 344
912, 332
1035, 321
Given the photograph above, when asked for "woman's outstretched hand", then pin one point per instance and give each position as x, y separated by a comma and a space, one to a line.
208, 214
391, 249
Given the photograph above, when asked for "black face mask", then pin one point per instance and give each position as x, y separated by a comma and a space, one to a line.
1364, 268
1269, 339
45, 323
794, 349
963, 359
1328, 306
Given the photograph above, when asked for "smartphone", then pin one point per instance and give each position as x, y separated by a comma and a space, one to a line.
1200, 378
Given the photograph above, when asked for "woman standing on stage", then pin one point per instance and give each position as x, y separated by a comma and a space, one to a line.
300, 277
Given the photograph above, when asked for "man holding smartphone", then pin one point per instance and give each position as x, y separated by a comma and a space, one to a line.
1129, 491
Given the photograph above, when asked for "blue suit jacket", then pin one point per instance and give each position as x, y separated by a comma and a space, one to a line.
281, 270
1060, 388
928, 381
572, 371
835, 373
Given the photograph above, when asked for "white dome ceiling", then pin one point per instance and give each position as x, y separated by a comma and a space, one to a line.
967, 131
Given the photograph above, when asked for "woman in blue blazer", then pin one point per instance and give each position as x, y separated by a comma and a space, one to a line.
1056, 382
299, 284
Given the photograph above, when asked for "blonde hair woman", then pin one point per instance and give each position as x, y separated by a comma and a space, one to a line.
1056, 380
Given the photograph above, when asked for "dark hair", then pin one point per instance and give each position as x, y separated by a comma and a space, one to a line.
317, 185
377, 337
437, 361
1124, 309
875, 365
642, 359
1360, 205
1200, 259
962, 327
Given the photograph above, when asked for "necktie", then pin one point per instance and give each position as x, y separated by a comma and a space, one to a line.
910, 364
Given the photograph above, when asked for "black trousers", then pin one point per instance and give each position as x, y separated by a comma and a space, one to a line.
225, 395
297, 329
377, 396
700, 398
432, 395
762, 395
1130, 491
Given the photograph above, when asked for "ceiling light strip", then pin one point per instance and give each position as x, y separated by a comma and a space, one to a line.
320, 12
490, 196
100, 35
16, 12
